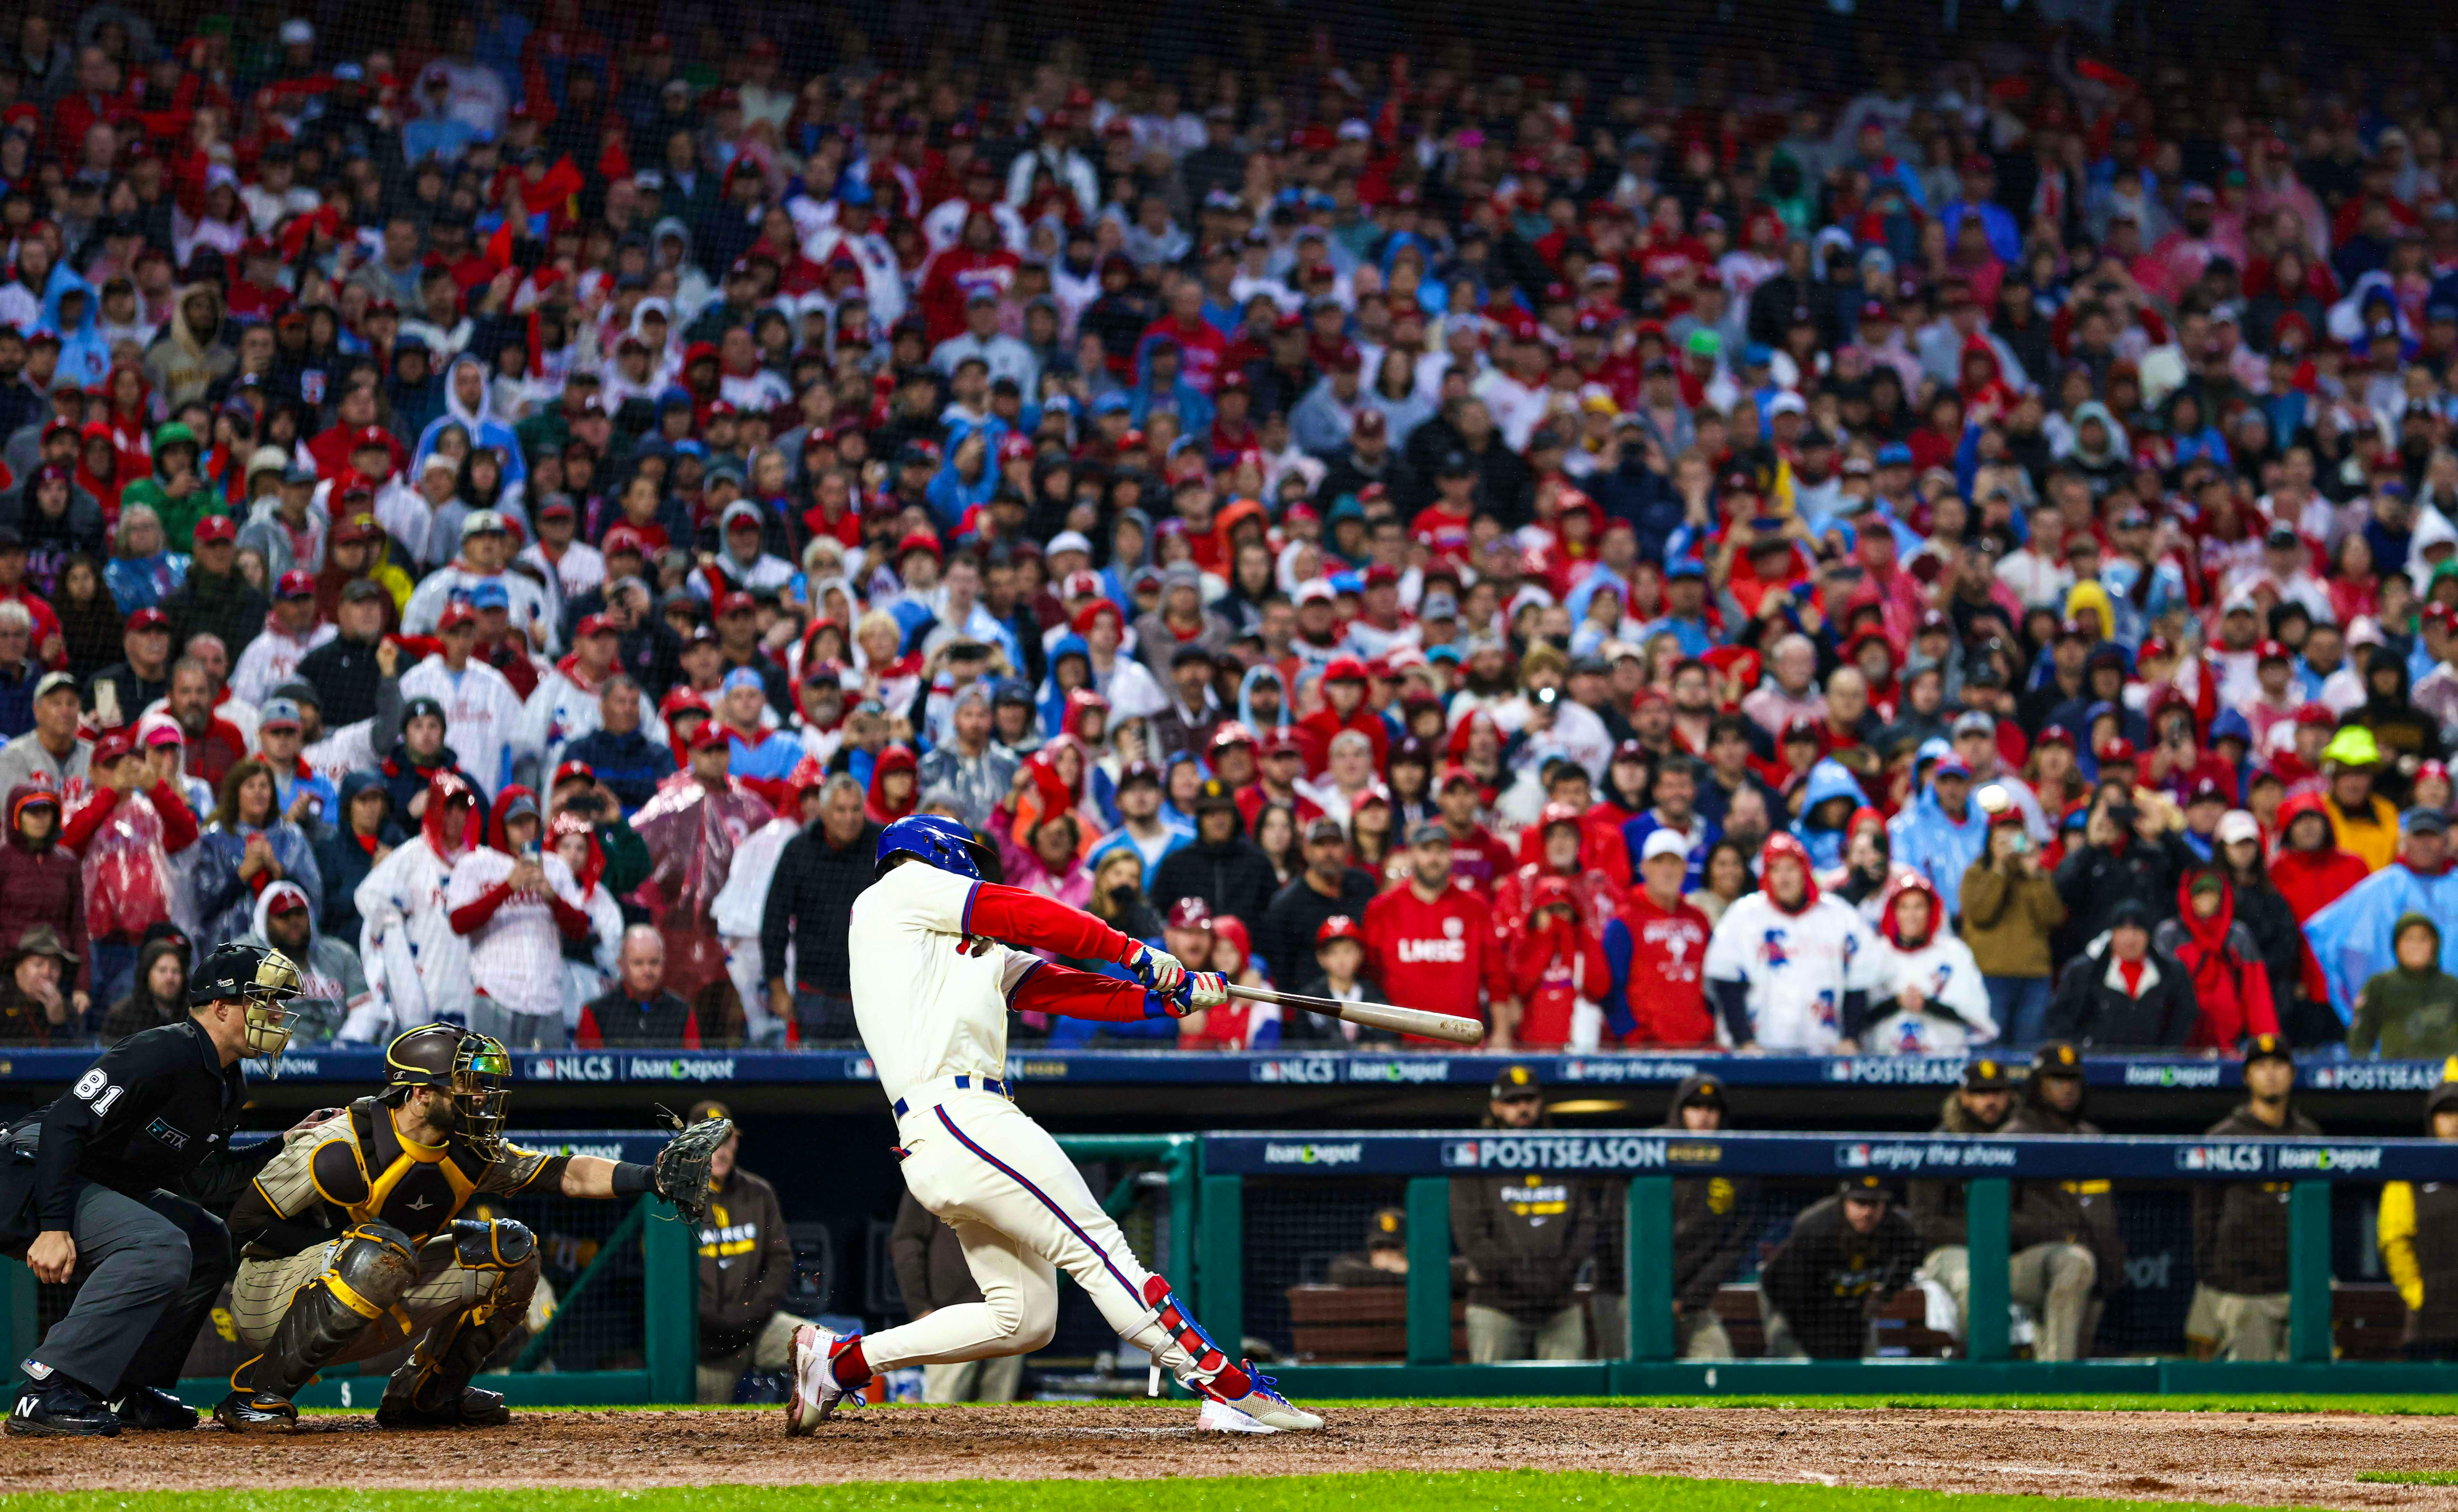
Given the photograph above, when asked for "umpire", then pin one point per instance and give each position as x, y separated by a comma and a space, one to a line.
105, 1184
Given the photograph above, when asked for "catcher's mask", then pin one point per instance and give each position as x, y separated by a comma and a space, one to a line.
472, 1068
262, 979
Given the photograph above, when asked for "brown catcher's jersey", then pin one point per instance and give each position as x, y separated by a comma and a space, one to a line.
356, 1169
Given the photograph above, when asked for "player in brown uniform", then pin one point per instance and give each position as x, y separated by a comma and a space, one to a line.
354, 1243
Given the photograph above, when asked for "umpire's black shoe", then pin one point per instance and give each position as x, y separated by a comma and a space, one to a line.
61, 1411
476, 1409
255, 1412
154, 1410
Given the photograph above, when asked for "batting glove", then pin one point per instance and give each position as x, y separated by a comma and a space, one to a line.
1156, 970
1200, 989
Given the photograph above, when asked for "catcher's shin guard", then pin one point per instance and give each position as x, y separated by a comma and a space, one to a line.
373, 1264
431, 1389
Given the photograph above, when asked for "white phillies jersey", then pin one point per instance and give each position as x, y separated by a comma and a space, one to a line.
1797, 968
931, 1001
481, 715
1958, 1015
516, 956
417, 967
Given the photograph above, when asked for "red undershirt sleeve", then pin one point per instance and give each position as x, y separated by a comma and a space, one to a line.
1071, 994
1031, 921
478, 910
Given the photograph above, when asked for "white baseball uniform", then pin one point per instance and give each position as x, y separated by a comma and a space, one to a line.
481, 714
932, 1000
516, 950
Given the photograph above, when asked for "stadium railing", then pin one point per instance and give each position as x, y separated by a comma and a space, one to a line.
620, 1324
359, 1065
1275, 1205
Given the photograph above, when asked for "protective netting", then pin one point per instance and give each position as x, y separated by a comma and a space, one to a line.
1773, 1267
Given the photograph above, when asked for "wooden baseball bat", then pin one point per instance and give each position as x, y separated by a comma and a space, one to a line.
1449, 1026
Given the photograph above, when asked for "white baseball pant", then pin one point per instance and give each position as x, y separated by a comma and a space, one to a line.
1021, 1210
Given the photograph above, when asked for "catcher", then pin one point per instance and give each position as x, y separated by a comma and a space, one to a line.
353, 1244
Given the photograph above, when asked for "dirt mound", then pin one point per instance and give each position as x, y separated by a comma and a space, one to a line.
2308, 1459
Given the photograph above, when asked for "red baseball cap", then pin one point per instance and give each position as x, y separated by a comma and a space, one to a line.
709, 737
145, 619
1189, 913
1232, 732
1344, 669
296, 584
737, 602
2117, 748
371, 438
120, 741
455, 614
593, 625
1455, 775
216, 528
919, 541
624, 538
1338, 926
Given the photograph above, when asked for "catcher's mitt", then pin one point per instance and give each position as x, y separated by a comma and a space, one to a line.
681, 1172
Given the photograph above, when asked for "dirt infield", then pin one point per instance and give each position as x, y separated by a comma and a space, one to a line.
2307, 1459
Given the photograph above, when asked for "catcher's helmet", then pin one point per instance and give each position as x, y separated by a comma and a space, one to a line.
937, 840
257, 976
472, 1068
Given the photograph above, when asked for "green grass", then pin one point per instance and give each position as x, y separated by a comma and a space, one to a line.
1381, 1491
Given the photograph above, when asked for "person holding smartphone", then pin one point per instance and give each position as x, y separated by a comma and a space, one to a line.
2011, 910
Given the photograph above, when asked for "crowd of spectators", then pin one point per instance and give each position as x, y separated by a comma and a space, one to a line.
506, 506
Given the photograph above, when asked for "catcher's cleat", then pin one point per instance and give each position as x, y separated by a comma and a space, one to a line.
255, 1412
153, 1410
816, 1393
1263, 1404
61, 1411
476, 1409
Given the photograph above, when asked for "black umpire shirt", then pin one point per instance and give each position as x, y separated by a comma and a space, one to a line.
157, 1110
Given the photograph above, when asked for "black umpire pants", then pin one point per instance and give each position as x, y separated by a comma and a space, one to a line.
150, 1272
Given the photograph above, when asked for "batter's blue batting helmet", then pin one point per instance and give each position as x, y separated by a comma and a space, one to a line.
937, 840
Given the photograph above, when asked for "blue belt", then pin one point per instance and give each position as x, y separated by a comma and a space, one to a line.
964, 1084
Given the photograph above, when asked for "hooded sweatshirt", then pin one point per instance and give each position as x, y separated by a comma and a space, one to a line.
417, 965
2407, 1015
39, 883
330, 982
480, 421
1789, 980
1952, 1011
2231, 982
185, 363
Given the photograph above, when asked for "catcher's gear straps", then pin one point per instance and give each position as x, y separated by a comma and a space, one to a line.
440, 1369
491, 1244
372, 1265
1214, 1374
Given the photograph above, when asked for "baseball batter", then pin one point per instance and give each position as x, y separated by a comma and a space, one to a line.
939, 959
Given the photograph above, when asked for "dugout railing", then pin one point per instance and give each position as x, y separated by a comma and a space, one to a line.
1266, 1196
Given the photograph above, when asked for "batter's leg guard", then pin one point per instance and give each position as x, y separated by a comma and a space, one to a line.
433, 1389
1233, 1387
372, 1266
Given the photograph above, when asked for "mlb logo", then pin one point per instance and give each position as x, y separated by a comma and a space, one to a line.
1460, 1153
2197, 1158
1856, 1157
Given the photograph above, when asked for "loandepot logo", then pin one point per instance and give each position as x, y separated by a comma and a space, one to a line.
2203, 1075
1313, 1154
2338, 1158
681, 1068
1416, 1070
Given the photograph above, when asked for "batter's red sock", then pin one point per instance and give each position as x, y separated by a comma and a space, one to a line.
1232, 1383
846, 1364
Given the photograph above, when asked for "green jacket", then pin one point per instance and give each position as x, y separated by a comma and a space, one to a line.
2405, 1015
